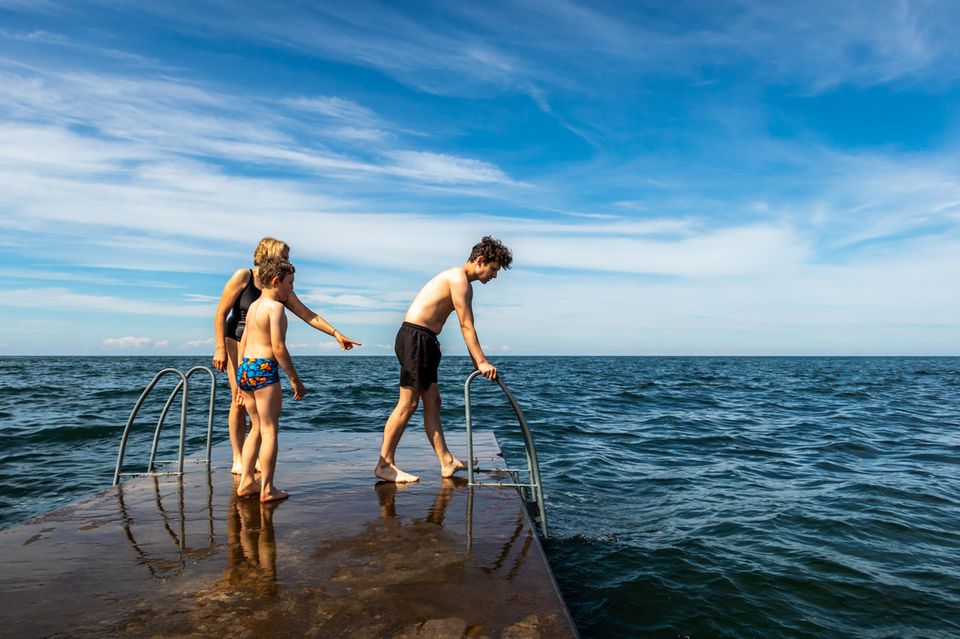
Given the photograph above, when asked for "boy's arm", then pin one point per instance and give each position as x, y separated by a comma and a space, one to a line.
300, 309
231, 290
462, 296
278, 343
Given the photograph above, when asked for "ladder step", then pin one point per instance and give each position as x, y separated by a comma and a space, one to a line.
504, 485
148, 474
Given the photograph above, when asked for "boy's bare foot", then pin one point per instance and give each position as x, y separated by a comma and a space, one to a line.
275, 494
447, 470
247, 488
390, 472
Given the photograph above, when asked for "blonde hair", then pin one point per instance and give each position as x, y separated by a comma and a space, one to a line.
269, 247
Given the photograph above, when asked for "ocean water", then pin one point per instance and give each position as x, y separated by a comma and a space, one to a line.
687, 497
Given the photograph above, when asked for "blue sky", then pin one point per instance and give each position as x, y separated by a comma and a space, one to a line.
673, 178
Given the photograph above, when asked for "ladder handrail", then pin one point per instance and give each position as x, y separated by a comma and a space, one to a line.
181, 384
533, 466
166, 408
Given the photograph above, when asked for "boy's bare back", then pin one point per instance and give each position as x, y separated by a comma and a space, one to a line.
267, 328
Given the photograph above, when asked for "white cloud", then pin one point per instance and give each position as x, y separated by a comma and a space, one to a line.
350, 300
64, 298
334, 107
194, 343
435, 167
132, 342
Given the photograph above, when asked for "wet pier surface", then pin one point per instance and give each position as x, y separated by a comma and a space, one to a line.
343, 557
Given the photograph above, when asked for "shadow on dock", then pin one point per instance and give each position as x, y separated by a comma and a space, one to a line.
344, 557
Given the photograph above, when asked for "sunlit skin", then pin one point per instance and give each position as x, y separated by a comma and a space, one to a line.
225, 355
265, 337
449, 291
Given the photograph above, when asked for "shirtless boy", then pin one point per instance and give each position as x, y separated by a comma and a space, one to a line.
418, 350
262, 353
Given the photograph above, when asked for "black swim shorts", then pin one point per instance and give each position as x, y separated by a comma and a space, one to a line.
418, 350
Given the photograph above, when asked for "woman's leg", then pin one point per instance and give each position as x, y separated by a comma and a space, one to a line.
238, 414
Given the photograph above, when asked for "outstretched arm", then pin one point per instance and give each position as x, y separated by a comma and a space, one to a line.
278, 342
231, 290
299, 309
462, 295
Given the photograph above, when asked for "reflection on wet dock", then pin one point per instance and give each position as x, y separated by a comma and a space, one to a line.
344, 557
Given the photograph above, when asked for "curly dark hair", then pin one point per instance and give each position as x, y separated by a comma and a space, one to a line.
491, 250
274, 267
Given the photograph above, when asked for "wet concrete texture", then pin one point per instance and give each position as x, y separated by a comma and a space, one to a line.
345, 556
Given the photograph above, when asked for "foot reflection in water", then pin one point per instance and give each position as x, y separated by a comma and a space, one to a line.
387, 493
252, 546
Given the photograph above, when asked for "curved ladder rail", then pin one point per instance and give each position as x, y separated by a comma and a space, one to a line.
534, 486
163, 415
182, 384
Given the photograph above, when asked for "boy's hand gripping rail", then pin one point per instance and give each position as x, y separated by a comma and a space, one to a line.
182, 384
534, 486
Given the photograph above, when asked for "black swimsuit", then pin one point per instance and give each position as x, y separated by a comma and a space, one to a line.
238, 314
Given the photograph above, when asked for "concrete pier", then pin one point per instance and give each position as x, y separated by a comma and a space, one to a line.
343, 557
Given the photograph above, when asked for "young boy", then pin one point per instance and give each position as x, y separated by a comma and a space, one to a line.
418, 350
263, 352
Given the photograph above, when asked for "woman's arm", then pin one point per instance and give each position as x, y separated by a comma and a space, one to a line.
231, 290
299, 309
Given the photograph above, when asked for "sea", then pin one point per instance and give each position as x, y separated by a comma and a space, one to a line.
686, 496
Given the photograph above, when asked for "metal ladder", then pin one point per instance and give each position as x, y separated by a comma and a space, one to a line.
532, 491
182, 384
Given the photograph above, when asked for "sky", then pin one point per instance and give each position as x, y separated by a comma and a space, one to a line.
673, 178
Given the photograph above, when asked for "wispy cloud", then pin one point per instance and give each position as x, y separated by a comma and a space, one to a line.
135, 342
64, 298
435, 167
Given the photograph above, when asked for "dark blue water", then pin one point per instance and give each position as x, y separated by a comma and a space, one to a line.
703, 497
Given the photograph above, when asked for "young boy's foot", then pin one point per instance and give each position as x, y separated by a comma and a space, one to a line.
390, 472
247, 488
274, 494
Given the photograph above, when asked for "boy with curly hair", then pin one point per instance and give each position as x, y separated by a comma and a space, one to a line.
418, 350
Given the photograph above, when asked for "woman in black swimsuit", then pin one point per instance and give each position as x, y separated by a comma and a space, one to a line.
241, 290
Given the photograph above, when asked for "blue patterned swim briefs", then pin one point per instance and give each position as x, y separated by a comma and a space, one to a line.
256, 373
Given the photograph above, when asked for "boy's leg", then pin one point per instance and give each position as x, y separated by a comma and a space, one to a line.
269, 403
431, 424
251, 447
406, 406
237, 420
